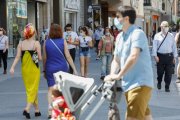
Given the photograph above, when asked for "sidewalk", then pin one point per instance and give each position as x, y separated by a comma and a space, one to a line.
164, 106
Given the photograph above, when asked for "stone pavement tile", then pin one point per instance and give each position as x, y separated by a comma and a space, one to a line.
178, 87
164, 106
169, 118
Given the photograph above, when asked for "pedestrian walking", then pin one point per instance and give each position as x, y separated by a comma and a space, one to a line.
71, 38
43, 37
105, 48
132, 58
4, 44
165, 53
115, 31
90, 31
97, 36
85, 43
56, 58
177, 39
29, 50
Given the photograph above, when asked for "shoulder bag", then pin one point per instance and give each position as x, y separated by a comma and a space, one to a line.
162, 41
60, 52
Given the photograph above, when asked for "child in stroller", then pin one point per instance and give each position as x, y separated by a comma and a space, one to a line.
60, 110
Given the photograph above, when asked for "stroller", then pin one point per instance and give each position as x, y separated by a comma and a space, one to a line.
80, 92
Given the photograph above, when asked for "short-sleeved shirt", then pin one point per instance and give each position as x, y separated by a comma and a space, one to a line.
84, 41
98, 34
72, 36
106, 43
141, 74
3, 40
168, 46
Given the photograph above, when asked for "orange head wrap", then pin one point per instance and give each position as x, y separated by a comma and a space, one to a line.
29, 31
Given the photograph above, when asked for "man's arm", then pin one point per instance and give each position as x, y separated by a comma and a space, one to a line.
76, 39
177, 37
131, 61
175, 53
154, 49
115, 65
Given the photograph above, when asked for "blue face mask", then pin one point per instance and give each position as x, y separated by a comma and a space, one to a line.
118, 25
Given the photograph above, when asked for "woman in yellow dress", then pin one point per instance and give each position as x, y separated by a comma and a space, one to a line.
29, 50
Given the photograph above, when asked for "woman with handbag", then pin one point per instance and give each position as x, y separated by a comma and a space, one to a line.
29, 50
85, 42
56, 57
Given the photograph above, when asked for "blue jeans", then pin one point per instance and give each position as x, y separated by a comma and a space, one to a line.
106, 64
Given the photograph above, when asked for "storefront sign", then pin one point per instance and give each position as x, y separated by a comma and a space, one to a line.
96, 7
21, 9
72, 4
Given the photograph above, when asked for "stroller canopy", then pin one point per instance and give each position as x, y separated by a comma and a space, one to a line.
75, 89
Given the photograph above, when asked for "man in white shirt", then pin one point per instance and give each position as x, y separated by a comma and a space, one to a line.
72, 39
165, 53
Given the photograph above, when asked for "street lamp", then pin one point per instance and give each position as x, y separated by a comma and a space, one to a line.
171, 3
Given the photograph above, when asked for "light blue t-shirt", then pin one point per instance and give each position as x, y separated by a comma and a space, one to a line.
141, 74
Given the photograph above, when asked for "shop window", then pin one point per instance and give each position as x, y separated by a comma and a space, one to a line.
147, 2
16, 20
163, 6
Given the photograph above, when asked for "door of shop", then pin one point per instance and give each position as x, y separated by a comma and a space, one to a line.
71, 17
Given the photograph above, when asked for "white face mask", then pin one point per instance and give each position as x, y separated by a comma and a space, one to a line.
118, 24
166, 29
81, 34
68, 32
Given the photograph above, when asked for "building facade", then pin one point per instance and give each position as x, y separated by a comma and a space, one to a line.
68, 11
15, 14
153, 13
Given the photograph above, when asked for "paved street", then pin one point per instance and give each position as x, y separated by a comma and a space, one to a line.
164, 106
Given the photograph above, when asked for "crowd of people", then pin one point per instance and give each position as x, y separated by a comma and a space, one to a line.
63, 46
123, 50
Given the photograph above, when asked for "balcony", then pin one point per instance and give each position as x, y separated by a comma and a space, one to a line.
147, 2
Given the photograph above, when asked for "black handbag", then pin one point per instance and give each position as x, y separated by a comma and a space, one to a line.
84, 49
173, 69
